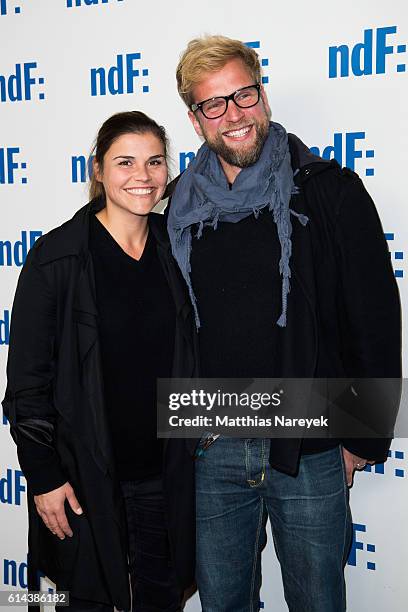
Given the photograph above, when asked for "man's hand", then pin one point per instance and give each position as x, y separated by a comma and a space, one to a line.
50, 506
352, 463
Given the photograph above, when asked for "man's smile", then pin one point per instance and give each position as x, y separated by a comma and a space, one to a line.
238, 134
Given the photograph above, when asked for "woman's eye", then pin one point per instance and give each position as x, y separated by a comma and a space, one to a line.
156, 162
125, 162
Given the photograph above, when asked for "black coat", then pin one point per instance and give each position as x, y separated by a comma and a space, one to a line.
344, 316
55, 404
344, 313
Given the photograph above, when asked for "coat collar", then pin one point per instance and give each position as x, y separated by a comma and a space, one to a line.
72, 237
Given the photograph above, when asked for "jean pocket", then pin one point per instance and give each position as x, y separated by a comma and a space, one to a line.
343, 465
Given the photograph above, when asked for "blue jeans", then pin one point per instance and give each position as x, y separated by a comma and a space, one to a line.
236, 492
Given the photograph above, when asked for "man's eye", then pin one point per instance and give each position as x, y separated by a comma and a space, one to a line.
215, 104
243, 95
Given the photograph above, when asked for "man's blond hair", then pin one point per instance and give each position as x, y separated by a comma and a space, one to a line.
210, 54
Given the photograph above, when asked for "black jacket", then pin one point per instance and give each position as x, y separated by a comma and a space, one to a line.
55, 404
344, 317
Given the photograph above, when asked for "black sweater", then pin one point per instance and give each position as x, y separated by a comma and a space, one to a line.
235, 273
136, 324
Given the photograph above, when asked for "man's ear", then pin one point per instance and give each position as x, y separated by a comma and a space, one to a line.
265, 102
196, 123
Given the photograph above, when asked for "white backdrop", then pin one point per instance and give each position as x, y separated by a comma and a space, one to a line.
353, 99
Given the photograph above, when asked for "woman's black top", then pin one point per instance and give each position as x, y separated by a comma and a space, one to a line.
137, 325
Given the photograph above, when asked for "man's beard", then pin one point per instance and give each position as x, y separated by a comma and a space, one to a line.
246, 156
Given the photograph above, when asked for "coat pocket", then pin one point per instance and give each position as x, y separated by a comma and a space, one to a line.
73, 563
58, 557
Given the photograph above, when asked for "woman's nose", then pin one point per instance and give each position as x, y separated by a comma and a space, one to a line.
141, 173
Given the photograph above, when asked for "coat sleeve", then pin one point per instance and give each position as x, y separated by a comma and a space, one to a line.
28, 402
370, 313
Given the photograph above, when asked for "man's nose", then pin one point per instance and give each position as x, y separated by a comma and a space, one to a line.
234, 113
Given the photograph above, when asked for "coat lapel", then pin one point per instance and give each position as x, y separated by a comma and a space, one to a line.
85, 310
90, 417
85, 315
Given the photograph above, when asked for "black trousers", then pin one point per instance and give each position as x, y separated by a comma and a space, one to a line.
152, 578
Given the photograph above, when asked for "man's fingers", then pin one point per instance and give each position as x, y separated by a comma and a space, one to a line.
349, 473
359, 466
352, 463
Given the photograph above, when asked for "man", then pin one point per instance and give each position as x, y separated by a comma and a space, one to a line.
253, 212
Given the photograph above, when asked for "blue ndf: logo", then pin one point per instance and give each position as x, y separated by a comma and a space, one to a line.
9, 166
79, 3
345, 151
121, 78
6, 7
358, 545
362, 59
19, 85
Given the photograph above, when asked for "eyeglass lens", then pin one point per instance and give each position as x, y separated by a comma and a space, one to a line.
244, 98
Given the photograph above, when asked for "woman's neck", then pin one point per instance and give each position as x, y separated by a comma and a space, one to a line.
129, 231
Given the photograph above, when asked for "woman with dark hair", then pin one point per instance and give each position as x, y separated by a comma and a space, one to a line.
99, 314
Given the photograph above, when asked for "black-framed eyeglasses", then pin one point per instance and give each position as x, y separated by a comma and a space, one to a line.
216, 107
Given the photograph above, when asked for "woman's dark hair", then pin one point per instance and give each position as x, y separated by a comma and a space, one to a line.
131, 122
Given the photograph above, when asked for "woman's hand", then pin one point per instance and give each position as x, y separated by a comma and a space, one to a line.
50, 506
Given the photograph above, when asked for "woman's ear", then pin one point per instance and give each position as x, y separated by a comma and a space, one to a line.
97, 171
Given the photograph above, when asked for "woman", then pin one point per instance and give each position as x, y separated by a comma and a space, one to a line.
100, 312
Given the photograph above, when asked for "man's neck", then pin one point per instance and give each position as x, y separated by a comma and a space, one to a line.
231, 172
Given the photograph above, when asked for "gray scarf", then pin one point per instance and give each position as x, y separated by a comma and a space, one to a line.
202, 197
